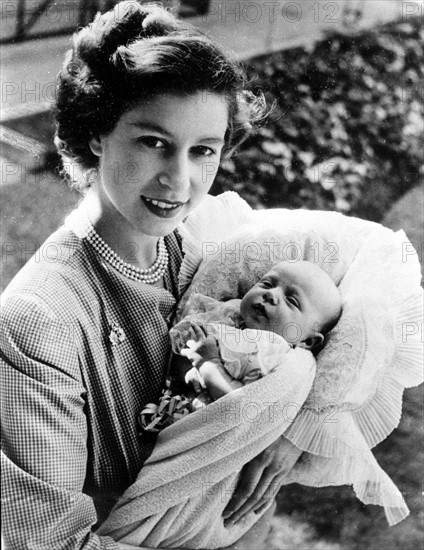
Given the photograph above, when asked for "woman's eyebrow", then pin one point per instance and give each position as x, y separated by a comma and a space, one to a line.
153, 127
217, 140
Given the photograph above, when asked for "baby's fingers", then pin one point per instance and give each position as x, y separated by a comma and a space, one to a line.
193, 378
187, 352
191, 352
199, 333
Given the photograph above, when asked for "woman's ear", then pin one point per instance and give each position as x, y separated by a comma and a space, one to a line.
95, 145
312, 342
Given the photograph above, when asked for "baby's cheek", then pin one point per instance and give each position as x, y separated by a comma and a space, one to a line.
243, 307
246, 305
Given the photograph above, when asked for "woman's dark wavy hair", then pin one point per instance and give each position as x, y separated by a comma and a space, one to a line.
131, 53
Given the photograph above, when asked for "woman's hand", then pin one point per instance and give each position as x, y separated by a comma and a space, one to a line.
124, 546
255, 537
261, 479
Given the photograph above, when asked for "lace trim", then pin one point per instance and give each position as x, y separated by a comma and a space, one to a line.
375, 351
353, 464
207, 227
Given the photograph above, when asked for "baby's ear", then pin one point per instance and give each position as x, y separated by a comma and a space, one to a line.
95, 144
312, 342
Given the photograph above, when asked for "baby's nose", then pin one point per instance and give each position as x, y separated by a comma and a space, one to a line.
271, 297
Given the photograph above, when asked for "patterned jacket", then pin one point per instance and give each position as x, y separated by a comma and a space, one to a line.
82, 350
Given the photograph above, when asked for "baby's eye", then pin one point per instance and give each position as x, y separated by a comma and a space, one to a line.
293, 301
203, 151
152, 142
265, 284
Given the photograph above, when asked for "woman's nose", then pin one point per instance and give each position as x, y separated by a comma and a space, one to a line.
177, 173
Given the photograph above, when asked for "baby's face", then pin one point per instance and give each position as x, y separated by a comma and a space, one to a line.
294, 300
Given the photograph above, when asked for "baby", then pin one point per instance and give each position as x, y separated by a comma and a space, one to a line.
297, 303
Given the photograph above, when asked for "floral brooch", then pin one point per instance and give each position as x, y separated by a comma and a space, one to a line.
117, 334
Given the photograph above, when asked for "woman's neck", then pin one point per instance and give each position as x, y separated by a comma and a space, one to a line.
132, 246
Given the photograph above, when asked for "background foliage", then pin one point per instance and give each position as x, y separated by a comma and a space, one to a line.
346, 134
346, 129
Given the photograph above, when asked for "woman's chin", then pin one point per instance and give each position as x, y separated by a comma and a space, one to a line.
158, 224
159, 228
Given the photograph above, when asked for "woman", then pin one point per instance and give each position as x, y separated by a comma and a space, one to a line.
145, 108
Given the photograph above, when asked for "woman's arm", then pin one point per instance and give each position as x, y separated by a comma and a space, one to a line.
261, 479
263, 476
44, 433
254, 539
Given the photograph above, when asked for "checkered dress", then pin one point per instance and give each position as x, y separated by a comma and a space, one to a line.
82, 350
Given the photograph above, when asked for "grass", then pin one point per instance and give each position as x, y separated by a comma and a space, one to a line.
32, 208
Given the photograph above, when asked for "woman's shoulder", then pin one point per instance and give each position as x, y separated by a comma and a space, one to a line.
51, 275
40, 312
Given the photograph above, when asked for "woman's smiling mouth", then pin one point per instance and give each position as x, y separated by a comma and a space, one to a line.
164, 209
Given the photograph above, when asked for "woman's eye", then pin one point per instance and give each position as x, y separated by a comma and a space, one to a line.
152, 142
203, 151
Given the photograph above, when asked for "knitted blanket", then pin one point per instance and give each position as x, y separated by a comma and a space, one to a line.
183, 488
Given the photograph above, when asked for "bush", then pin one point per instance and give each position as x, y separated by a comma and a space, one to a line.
345, 133
345, 129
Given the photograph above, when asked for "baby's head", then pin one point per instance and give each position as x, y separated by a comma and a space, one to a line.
296, 300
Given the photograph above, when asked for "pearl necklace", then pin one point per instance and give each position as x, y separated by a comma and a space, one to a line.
149, 275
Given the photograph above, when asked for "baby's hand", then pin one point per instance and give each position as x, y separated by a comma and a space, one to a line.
185, 330
204, 348
201, 401
193, 378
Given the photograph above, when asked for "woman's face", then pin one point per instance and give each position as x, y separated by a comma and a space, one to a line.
160, 160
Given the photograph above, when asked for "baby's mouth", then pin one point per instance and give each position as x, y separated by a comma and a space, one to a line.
260, 310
